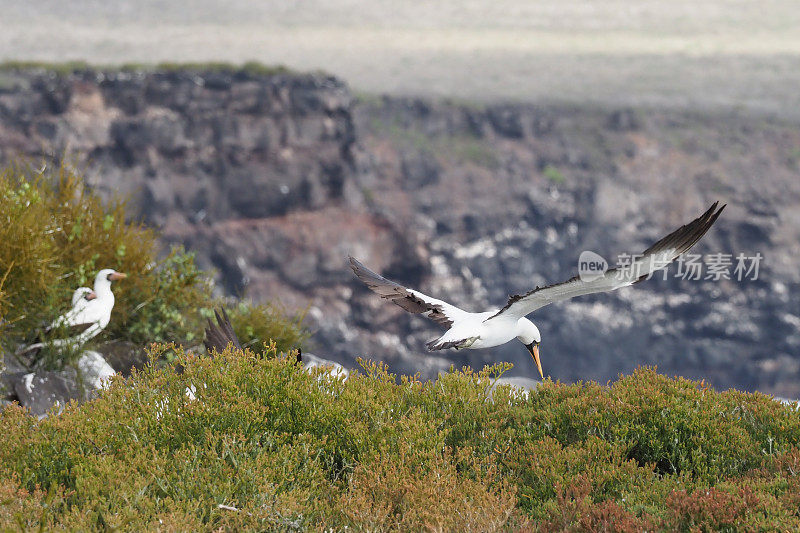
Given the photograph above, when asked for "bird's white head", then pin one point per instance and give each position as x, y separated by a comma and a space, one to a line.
529, 336
102, 282
83, 293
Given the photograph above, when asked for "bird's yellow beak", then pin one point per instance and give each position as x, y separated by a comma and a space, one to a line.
534, 349
117, 275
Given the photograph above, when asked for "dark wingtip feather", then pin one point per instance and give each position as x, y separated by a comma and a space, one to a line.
370, 278
395, 292
221, 334
683, 238
358, 267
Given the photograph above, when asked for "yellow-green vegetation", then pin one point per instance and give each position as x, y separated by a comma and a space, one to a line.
462, 147
263, 445
257, 325
553, 174
60, 68
253, 68
403, 134
55, 235
469, 149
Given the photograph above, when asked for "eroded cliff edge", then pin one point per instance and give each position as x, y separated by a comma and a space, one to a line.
275, 178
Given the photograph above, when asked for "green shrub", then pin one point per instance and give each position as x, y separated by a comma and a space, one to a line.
60, 68
55, 235
673, 423
253, 68
165, 303
467, 149
258, 324
282, 449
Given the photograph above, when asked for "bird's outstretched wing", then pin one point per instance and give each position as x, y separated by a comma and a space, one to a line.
412, 301
221, 334
658, 256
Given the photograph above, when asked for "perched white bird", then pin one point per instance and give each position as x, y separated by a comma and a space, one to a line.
496, 327
90, 313
90, 319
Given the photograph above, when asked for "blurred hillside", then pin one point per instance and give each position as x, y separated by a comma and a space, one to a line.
715, 54
274, 178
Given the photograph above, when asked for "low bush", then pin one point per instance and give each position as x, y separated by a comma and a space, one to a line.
257, 325
55, 235
261, 444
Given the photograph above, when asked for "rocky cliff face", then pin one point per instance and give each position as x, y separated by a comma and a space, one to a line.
275, 179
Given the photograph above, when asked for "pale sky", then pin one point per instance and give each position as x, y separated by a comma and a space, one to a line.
718, 53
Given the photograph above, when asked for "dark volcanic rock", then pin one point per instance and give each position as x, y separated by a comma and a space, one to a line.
623, 120
123, 356
43, 389
11, 371
506, 121
8, 380
275, 179
419, 170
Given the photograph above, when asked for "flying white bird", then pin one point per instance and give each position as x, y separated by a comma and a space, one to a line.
496, 327
90, 314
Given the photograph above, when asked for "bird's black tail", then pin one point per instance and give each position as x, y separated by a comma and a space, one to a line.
221, 334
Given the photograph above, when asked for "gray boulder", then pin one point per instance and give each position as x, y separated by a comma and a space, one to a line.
41, 390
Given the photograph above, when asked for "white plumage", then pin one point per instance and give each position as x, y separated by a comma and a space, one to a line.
80, 299
89, 315
86, 320
496, 327
83, 293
